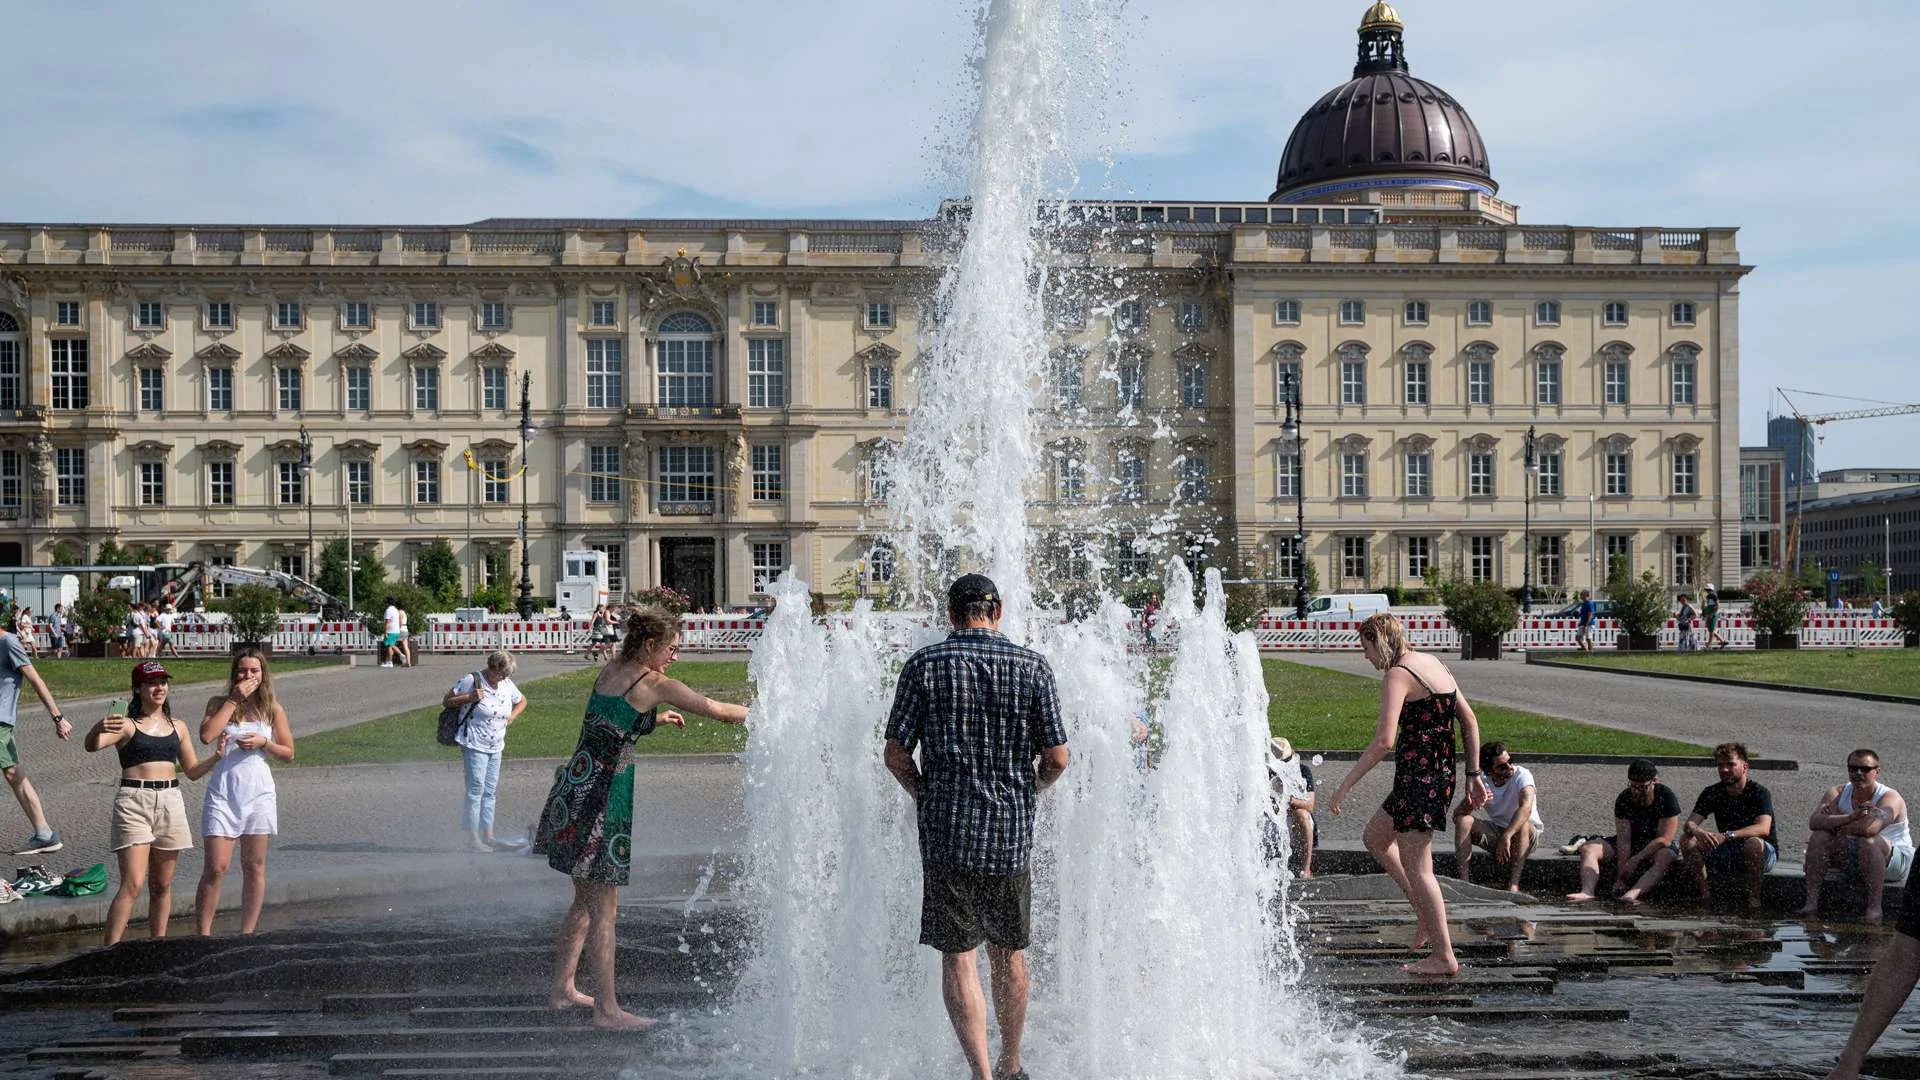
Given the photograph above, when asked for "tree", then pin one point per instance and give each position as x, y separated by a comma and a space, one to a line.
1873, 580
112, 554
67, 553
332, 577
370, 576
438, 572
253, 612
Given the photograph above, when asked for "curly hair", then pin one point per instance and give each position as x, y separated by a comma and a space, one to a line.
644, 624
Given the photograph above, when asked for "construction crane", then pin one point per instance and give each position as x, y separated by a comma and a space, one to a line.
197, 575
1880, 409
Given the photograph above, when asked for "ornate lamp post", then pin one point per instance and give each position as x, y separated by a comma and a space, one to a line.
526, 436
1290, 428
306, 495
1526, 496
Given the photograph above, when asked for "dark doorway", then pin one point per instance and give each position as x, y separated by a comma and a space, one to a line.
12, 554
687, 564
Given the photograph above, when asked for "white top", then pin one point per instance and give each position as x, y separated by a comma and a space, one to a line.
1897, 834
165, 621
486, 726
403, 621
393, 619
1506, 798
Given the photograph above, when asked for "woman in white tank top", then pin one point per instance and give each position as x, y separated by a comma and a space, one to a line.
1865, 823
242, 806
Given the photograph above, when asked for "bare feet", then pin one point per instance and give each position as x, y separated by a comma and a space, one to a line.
1753, 903
1432, 965
1580, 897
1631, 896
573, 997
1513, 888
622, 1021
1306, 873
1810, 909
1420, 939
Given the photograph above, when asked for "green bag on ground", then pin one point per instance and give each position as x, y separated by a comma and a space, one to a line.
86, 882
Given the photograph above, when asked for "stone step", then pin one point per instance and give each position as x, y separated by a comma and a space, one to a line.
502, 1072
1495, 1014
464, 1062
1820, 997
503, 1016
257, 1043
105, 1050
138, 1013
1895, 1064
643, 995
1463, 983
1543, 1060
1792, 978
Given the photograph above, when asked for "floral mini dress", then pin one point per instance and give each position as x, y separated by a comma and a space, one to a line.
1423, 761
586, 830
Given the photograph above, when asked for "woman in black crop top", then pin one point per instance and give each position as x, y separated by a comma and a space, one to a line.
149, 817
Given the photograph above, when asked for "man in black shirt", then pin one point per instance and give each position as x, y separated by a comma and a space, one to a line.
1645, 817
1742, 810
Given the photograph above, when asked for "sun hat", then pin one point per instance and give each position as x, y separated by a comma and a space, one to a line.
1281, 748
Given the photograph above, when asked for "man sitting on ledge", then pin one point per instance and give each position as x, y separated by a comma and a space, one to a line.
1512, 822
1863, 823
1645, 817
1742, 809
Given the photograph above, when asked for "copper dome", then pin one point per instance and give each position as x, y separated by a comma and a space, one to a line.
1383, 123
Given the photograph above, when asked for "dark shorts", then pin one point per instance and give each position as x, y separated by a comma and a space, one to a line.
959, 910
1909, 923
1732, 858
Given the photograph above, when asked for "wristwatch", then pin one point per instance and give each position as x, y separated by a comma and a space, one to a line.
57, 717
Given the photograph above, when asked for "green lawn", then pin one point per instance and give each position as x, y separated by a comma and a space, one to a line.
549, 728
1883, 671
1319, 709
93, 678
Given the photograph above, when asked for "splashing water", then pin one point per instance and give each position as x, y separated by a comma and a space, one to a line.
1162, 940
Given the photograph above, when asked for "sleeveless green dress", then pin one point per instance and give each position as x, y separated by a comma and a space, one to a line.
586, 830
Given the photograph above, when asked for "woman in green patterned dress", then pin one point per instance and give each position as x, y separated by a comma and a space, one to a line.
586, 830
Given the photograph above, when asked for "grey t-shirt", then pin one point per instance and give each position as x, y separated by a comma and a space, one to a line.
13, 660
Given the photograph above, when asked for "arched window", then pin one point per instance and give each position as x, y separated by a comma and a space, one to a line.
12, 349
685, 360
1686, 373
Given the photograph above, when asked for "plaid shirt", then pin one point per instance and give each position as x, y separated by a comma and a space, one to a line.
981, 709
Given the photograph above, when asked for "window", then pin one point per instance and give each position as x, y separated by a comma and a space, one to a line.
1286, 312
426, 315
1353, 312
1551, 568
1419, 556
293, 486
359, 387
1415, 313
66, 313
10, 374
685, 355
601, 313
604, 363
1619, 546
1353, 475
220, 389
1546, 313
766, 313
1193, 316
288, 384
496, 483
1480, 313
1546, 382
219, 315
1615, 313
1683, 313
767, 373
1547, 474
1353, 557
1479, 382
70, 476
769, 472
769, 562
153, 483
1480, 474
360, 482
613, 556
287, 315
220, 588
1686, 559
291, 563
152, 315
1067, 382
1683, 376
880, 563
1070, 476
493, 315
426, 482
1287, 474
356, 315
1480, 558
604, 479
1130, 468
1193, 386
1353, 382
426, 387
686, 474
1616, 379
879, 314
1069, 314
1618, 473
1128, 315
879, 386
1286, 370
493, 387
220, 483
1420, 474
1417, 388
1686, 474
68, 374
153, 395
1132, 379
1286, 558
1195, 483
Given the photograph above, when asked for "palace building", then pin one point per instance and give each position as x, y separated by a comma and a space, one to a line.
709, 397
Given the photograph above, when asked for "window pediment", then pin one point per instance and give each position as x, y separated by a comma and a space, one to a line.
220, 448
1481, 350
427, 447
1483, 443
287, 354
1685, 350
285, 448
356, 353
1353, 352
1550, 444
1132, 352
1418, 444
150, 352
1417, 351
1549, 350
219, 353
879, 354
1289, 351
493, 351
356, 448
1355, 443
152, 448
1686, 443
1194, 351
1619, 442
1616, 350
425, 353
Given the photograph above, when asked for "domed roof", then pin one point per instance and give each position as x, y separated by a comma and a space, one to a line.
1383, 123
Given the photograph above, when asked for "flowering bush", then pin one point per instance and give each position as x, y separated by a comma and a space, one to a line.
671, 600
1906, 612
1779, 605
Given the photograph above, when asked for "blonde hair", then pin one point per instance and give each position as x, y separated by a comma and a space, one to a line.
263, 694
644, 624
1386, 632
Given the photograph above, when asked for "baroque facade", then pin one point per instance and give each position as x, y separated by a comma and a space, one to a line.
710, 398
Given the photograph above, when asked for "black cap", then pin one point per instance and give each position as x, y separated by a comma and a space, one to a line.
972, 589
1641, 771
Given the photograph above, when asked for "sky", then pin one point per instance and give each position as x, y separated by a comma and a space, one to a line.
1776, 116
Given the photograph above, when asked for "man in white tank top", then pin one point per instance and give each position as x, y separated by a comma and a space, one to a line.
1862, 824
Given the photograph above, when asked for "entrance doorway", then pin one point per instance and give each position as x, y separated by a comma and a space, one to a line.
12, 554
688, 565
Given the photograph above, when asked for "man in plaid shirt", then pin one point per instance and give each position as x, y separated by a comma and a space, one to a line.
981, 710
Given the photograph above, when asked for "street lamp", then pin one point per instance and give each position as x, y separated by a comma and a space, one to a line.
526, 436
1526, 496
1290, 428
306, 494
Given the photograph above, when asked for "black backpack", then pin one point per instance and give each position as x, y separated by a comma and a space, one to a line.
453, 719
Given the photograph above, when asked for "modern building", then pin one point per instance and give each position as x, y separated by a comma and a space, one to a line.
1860, 533
1796, 439
710, 398
1763, 509
1837, 482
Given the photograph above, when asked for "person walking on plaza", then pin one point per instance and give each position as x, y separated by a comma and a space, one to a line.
490, 702
16, 667
1583, 630
390, 639
1710, 618
1511, 827
1683, 619
1416, 726
23, 626
1742, 809
57, 631
984, 714
586, 828
149, 827
242, 804
1864, 823
163, 621
1645, 818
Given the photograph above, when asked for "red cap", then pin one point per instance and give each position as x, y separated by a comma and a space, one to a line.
149, 671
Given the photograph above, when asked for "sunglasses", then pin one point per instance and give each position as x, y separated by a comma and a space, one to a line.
1863, 769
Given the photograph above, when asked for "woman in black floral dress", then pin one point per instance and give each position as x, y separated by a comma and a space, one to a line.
1416, 726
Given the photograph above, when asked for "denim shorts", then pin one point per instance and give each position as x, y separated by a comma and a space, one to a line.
1732, 857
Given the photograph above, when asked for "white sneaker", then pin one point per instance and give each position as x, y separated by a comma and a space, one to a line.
8, 894
388, 664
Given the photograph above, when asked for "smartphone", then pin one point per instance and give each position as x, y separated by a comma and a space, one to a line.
117, 707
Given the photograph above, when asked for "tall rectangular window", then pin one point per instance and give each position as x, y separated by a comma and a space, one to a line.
356, 315
767, 373
1417, 382
220, 389
10, 373
1551, 570
1480, 558
493, 315
769, 562
359, 482
359, 387
604, 363
613, 555
1480, 475
686, 474
1618, 474
150, 315
426, 387
426, 482
1353, 557
292, 486
1618, 546
1286, 559
1353, 475
1070, 478
1686, 559
67, 374
601, 313
604, 482
1193, 316
1686, 474
287, 315
1683, 313
221, 589
493, 387
769, 472
1132, 379
879, 386
686, 373
153, 394
1129, 315
496, 483
1419, 556
12, 478
70, 476
1131, 474
1419, 474
291, 563
1683, 380
153, 483
1353, 382
1353, 312
1287, 474
1195, 477
1479, 382
219, 315
1547, 478
1287, 386
1286, 312
220, 483
1547, 382
1193, 386
766, 313
288, 388
426, 315
1617, 386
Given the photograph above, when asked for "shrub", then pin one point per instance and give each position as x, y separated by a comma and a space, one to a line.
99, 613
1733, 593
1639, 603
1906, 612
66, 553
253, 613
438, 572
1243, 607
495, 598
672, 600
1480, 608
1779, 606
412, 599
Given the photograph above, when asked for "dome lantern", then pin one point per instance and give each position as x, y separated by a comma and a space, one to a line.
1382, 47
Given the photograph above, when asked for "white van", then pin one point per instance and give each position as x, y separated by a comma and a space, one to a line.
1355, 606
